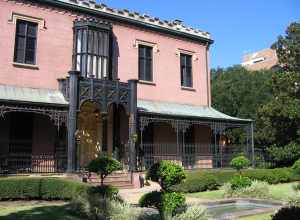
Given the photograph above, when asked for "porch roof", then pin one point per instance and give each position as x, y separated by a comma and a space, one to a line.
31, 95
184, 110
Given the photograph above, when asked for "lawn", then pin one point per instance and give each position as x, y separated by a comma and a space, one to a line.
258, 217
35, 210
279, 192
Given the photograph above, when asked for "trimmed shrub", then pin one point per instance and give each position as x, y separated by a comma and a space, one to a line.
168, 204
193, 213
239, 163
194, 185
26, 188
239, 182
19, 188
296, 166
108, 191
288, 213
196, 180
103, 166
166, 173
60, 189
296, 187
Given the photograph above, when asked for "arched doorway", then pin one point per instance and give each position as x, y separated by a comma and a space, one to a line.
90, 129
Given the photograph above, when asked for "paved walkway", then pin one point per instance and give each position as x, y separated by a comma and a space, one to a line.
132, 196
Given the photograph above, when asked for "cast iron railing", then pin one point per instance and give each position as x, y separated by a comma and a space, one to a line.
191, 155
14, 163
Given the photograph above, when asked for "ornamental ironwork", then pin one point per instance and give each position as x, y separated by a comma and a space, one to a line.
58, 116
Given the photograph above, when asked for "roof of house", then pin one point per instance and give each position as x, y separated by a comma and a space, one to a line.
30, 95
175, 27
184, 110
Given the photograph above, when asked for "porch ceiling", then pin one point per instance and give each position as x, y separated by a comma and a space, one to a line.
184, 110
30, 95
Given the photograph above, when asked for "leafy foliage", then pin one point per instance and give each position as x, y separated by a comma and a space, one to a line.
288, 48
104, 165
256, 189
239, 182
193, 213
239, 163
296, 166
166, 173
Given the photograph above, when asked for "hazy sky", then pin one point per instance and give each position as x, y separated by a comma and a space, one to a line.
237, 26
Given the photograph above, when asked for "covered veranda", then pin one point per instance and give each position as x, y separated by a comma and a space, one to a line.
194, 136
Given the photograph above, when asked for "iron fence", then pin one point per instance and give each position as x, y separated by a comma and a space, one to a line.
192, 156
14, 163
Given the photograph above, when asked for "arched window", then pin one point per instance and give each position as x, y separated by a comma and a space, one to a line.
91, 54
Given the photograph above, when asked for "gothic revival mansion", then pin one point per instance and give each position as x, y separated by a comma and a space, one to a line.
80, 79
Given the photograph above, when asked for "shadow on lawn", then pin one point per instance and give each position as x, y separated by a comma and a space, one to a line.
42, 213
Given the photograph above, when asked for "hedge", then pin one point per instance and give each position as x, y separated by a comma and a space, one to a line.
203, 180
28, 188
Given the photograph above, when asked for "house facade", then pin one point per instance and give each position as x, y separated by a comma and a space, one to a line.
79, 79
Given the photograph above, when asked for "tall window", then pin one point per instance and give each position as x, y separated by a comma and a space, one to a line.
145, 63
92, 49
186, 70
25, 43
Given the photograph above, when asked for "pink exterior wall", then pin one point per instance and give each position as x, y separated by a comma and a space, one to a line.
54, 55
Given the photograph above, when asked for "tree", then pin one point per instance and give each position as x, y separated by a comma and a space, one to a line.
239, 163
103, 166
288, 48
281, 115
239, 92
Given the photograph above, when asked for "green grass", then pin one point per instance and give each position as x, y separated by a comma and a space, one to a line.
266, 216
280, 192
30, 210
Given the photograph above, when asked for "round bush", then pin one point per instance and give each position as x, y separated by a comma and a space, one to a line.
103, 166
239, 182
240, 163
288, 213
296, 166
166, 173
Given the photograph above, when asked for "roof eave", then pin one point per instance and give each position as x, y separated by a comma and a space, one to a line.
127, 20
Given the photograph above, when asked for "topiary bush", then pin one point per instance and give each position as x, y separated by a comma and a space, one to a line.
166, 173
239, 163
288, 213
167, 203
27, 188
239, 182
103, 166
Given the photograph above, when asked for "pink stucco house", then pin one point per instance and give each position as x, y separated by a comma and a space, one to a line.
79, 79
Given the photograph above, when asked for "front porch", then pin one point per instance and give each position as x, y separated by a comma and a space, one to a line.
105, 117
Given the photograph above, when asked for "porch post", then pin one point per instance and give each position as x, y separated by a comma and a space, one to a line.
252, 145
132, 124
72, 119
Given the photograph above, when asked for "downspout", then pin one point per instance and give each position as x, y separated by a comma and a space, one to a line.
207, 76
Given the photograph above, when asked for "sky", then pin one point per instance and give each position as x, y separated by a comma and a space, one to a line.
236, 26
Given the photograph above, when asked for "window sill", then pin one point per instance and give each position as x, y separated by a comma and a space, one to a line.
147, 82
188, 88
23, 65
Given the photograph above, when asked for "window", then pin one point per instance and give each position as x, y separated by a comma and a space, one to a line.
145, 63
186, 70
92, 49
25, 43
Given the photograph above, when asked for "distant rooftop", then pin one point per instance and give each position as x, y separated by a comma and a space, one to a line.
176, 25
